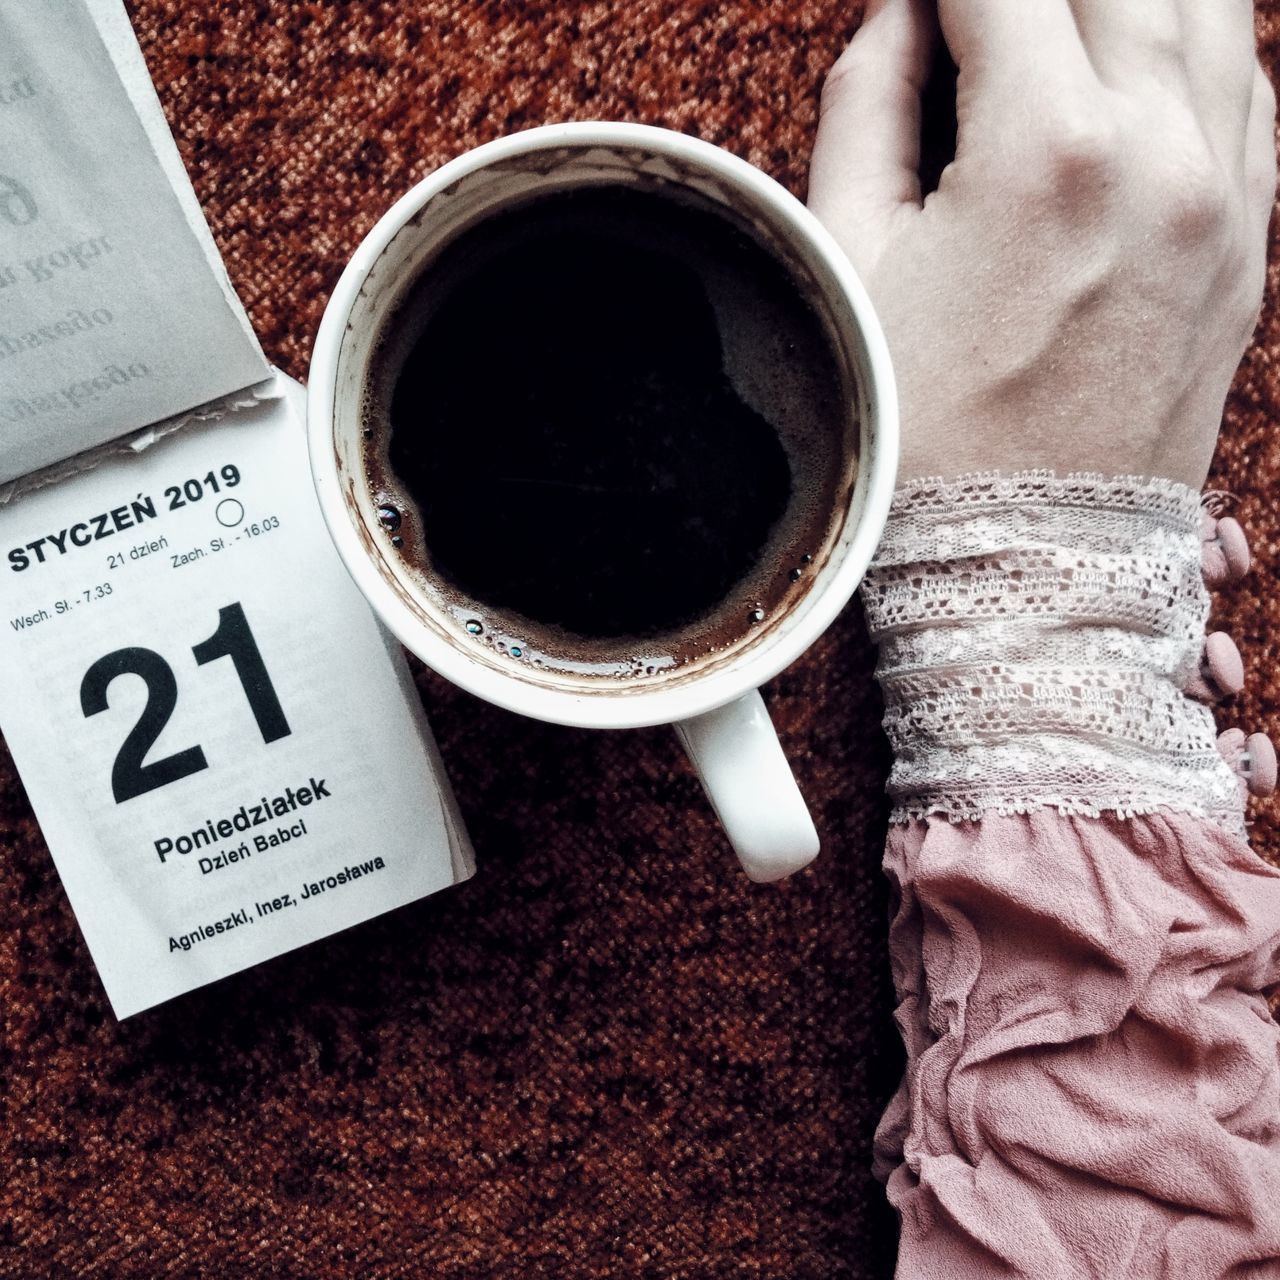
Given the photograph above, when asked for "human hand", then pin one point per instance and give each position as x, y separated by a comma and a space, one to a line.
1079, 290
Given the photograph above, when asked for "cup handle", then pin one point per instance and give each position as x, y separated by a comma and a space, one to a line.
736, 752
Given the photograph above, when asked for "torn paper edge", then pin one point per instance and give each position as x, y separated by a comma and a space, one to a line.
137, 441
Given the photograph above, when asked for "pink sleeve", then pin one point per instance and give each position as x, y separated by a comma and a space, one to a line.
1093, 1079
1081, 936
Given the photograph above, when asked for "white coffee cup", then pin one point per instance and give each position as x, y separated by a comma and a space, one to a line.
715, 707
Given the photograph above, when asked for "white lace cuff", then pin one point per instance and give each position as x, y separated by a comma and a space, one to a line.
1036, 637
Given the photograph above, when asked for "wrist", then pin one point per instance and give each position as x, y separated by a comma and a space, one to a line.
1037, 637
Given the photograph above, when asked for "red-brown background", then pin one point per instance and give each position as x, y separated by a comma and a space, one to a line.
608, 1055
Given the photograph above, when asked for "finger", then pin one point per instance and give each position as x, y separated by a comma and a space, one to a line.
1203, 53
1221, 66
1018, 44
1135, 43
866, 157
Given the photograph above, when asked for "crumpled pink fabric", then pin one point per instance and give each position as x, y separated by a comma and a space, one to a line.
1093, 1080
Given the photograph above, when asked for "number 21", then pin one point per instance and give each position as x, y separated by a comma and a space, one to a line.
233, 639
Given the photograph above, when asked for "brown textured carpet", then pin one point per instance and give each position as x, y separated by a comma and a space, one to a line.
608, 1055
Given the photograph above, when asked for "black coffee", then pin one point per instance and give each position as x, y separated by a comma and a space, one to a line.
609, 429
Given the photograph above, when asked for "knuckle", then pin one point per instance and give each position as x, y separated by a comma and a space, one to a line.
835, 88
1164, 41
1196, 198
849, 70
1081, 149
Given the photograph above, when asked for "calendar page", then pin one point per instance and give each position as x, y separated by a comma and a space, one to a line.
221, 744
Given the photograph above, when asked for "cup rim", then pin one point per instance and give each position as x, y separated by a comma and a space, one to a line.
644, 704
